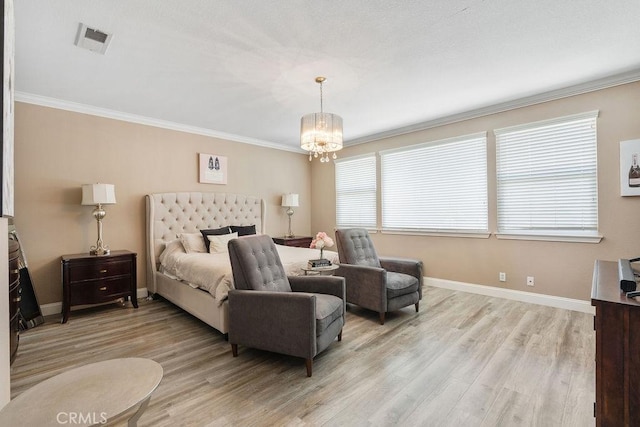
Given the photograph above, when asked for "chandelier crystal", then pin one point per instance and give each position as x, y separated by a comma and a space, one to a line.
321, 133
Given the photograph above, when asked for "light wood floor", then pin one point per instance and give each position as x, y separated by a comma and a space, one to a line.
464, 360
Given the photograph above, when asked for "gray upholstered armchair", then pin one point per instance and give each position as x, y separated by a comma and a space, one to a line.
298, 315
382, 284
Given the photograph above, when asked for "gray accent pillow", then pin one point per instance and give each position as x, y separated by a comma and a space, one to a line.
243, 230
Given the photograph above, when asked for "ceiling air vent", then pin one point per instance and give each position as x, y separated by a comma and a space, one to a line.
92, 39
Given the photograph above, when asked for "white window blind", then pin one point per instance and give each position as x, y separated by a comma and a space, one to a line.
436, 187
356, 192
547, 177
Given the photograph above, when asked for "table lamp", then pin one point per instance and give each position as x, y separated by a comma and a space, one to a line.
290, 201
98, 195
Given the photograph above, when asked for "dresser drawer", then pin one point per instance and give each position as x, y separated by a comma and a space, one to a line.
94, 291
90, 271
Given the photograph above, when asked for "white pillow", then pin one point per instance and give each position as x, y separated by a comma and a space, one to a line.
218, 244
170, 248
192, 242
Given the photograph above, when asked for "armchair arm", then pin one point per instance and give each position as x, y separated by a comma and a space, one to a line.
331, 285
366, 286
412, 267
282, 322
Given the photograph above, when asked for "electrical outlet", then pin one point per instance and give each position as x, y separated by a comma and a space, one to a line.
503, 276
530, 281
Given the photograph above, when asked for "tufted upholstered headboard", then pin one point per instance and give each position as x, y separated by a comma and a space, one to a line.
169, 214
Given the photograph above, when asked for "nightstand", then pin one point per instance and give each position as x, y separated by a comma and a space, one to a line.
298, 241
92, 279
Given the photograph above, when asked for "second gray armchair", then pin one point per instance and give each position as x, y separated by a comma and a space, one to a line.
297, 315
382, 284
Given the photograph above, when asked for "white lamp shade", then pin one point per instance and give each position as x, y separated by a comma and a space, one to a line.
290, 200
98, 194
321, 132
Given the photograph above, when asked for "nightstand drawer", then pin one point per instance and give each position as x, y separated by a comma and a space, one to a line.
81, 272
90, 292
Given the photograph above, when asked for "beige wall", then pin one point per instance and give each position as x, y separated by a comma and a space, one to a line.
57, 151
560, 269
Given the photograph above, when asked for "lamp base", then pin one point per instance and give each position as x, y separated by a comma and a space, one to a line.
100, 248
289, 233
100, 251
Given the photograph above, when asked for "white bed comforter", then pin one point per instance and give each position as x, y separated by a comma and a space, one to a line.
212, 272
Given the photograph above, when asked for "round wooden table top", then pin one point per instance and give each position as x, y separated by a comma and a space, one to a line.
84, 396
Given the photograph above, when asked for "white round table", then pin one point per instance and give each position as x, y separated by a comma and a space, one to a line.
327, 269
88, 395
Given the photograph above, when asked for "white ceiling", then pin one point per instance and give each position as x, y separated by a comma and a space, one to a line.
245, 69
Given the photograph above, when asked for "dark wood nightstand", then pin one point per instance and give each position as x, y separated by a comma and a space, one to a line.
93, 279
298, 241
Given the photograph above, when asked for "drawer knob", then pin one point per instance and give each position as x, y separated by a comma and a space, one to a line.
104, 288
17, 299
103, 271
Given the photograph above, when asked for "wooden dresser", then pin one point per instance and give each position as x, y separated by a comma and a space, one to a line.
617, 325
14, 298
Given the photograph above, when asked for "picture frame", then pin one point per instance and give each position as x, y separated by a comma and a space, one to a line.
213, 169
630, 167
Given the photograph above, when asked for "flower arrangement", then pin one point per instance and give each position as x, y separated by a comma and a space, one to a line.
321, 241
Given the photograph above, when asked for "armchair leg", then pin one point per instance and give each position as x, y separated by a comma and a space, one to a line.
234, 350
382, 317
309, 364
340, 335
418, 306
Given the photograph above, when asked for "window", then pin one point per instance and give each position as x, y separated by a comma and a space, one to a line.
436, 187
356, 191
547, 178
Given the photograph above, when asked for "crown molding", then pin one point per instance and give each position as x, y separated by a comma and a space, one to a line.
45, 101
599, 84
579, 89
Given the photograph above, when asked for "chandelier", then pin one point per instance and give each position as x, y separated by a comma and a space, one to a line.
321, 133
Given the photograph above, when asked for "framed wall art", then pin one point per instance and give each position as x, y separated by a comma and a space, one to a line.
213, 169
630, 167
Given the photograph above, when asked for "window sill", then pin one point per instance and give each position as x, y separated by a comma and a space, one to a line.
465, 234
551, 237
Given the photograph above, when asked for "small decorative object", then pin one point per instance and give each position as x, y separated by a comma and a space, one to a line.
290, 201
630, 167
321, 241
213, 169
98, 195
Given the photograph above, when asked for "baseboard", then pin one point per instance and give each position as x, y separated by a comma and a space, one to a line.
56, 307
540, 299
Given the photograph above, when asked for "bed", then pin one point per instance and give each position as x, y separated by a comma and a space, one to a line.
198, 282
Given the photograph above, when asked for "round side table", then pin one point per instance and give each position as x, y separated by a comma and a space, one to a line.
327, 271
